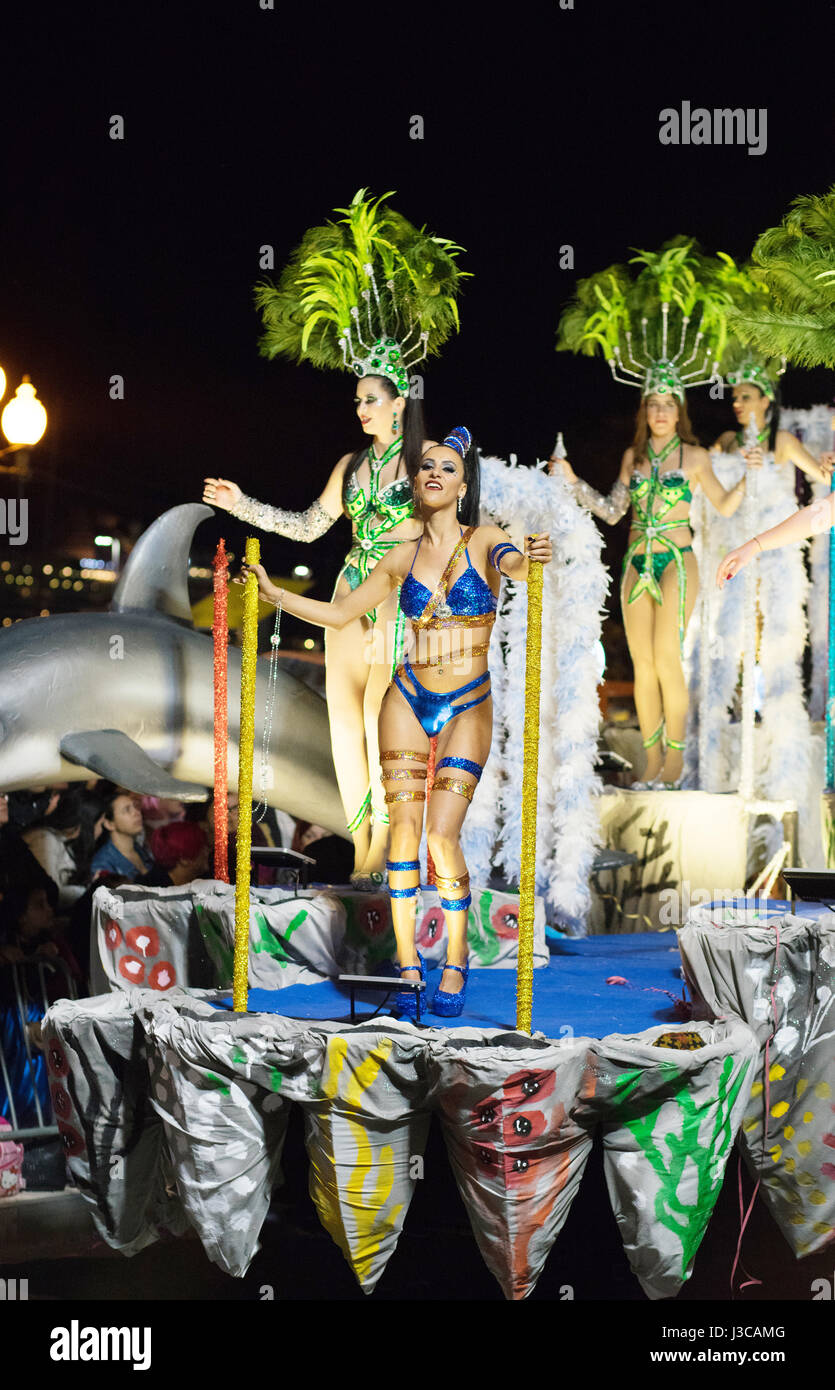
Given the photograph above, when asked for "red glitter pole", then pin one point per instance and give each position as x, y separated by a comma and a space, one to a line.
220, 634
430, 779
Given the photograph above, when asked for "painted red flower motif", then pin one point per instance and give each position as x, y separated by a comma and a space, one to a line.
56, 1058
487, 1114
61, 1103
828, 1170
71, 1140
112, 936
373, 917
521, 1171
505, 920
163, 975
525, 1087
522, 1127
430, 929
830, 1140
133, 969
143, 940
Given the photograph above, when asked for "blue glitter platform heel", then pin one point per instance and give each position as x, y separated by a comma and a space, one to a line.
450, 1005
405, 1001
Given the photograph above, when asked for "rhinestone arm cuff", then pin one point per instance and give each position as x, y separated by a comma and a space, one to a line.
610, 509
296, 526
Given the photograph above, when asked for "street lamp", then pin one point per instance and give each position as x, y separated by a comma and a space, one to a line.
23, 420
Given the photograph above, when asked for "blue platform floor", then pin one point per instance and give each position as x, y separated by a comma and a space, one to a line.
570, 995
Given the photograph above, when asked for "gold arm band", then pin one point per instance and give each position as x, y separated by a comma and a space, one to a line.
405, 796
452, 784
404, 753
402, 774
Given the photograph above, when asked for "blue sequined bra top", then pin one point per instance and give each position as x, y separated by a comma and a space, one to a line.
469, 603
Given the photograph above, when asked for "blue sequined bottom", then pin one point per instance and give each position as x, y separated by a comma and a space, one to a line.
433, 709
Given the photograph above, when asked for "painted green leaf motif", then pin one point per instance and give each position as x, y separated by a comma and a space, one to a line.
296, 922
219, 952
268, 941
482, 937
688, 1221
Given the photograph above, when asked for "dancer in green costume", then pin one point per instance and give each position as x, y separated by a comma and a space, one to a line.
661, 331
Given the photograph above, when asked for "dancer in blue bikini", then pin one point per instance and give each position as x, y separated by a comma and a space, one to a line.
451, 611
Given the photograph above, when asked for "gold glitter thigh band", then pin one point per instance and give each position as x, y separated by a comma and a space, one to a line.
448, 885
452, 784
402, 774
405, 796
404, 753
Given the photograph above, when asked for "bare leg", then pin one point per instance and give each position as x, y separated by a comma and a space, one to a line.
639, 623
400, 733
668, 660
378, 679
346, 676
467, 735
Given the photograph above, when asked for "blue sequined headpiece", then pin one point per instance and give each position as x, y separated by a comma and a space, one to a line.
459, 439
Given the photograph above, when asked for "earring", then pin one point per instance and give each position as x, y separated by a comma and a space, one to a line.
460, 500
394, 425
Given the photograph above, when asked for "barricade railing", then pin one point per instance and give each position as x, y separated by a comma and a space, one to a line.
22, 985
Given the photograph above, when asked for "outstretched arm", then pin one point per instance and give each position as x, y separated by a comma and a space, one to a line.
341, 611
808, 522
296, 526
725, 500
789, 447
609, 508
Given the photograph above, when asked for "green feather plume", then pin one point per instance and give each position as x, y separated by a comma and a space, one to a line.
612, 303
306, 313
794, 263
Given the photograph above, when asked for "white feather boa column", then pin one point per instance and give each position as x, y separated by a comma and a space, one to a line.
814, 427
783, 743
575, 585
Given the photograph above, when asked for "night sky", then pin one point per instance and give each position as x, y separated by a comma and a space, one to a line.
244, 126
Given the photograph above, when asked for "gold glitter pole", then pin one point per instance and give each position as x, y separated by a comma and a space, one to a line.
246, 754
530, 769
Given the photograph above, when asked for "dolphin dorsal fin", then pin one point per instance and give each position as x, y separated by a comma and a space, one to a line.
155, 577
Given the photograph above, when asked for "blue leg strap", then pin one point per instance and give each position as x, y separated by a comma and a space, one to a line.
463, 764
456, 904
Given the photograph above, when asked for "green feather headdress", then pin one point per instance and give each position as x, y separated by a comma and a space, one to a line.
740, 362
663, 328
370, 292
795, 264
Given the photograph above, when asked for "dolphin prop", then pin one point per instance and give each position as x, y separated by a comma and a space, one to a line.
128, 695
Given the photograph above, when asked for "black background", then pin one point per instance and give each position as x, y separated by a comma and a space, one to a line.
244, 126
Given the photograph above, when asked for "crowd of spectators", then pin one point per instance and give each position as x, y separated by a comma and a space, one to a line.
59, 844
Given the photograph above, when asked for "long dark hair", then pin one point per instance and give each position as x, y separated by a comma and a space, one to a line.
414, 433
83, 847
772, 416
684, 430
470, 508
